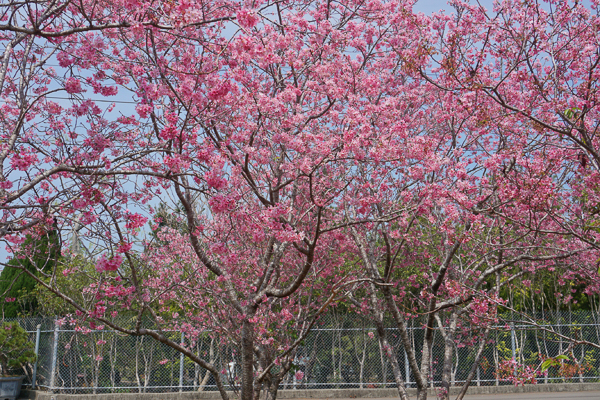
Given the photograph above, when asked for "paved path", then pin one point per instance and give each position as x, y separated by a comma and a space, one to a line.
592, 395
586, 395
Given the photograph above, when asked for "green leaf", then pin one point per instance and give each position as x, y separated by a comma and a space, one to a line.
553, 361
547, 364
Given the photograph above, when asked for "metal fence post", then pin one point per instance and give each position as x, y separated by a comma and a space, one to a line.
407, 369
513, 346
181, 360
54, 356
512, 342
37, 356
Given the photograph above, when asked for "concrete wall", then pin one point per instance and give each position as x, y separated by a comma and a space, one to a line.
315, 393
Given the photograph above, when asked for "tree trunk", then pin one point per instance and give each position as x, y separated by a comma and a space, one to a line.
247, 360
113, 357
391, 355
137, 363
420, 378
448, 335
361, 375
425, 361
475, 365
211, 359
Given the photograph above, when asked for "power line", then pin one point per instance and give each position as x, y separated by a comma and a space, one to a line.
95, 100
99, 100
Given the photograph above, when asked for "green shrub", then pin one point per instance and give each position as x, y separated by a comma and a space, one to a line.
15, 347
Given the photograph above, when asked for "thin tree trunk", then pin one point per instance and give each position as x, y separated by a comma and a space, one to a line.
211, 358
274, 382
361, 375
448, 336
475, 365
425, 360
420, 376
396, 314
382, 361
496, 356
137, 363
247, 360
147, 366
113, 358
391, 356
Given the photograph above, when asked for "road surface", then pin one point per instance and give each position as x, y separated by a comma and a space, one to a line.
584, 395
591, 395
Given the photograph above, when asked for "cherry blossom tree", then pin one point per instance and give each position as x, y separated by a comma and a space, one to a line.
519, 192
481, 210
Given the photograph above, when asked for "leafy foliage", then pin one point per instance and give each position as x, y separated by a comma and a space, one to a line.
15, 347
39, 253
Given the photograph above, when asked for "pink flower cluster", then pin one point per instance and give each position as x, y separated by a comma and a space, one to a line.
287, 315
176, 163
219, 91
518, 374
135, 221
221, 203
6, 185
22, 161
111, 264
73, 85
247, 19
118, 291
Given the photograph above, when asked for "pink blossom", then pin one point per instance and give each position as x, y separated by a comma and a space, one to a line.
143, 110
6, 184
221, 203
247, 18
22, 161
214, 180
73, 85
169, 132
135, 221
124, 248
176, 163
219, 91
111, 264
287, 315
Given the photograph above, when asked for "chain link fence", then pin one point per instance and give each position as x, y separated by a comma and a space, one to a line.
341, 352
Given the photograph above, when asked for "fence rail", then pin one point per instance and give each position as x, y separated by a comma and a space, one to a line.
341, 353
